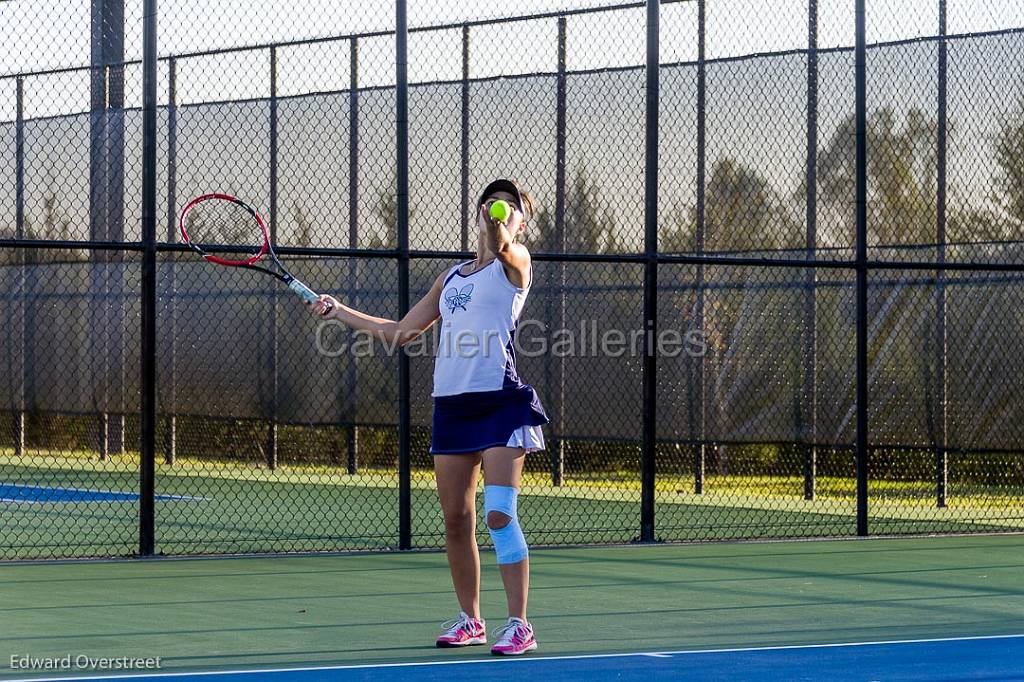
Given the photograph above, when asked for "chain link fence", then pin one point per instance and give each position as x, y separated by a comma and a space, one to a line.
777, 284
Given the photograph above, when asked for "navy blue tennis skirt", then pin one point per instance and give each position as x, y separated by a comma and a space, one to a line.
470, 422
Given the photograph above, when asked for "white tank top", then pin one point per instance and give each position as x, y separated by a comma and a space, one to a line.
479, 313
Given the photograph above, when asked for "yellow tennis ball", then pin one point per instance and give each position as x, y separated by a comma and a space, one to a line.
500, 210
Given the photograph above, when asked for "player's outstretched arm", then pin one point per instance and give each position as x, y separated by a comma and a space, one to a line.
419, 318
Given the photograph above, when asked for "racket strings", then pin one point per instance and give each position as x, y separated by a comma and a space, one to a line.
223, 229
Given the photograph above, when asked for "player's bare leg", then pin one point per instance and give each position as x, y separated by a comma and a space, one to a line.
456, 488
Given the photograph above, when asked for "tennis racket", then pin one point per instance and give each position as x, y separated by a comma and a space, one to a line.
215, 225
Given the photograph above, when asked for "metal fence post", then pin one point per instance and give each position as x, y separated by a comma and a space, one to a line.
106, 215
650, 379
558, 383
147, 457
464, 231
941, 464
862, 443
697, 409
98, 313
171, 420
114, 146
402, 229
351, 377
19, 232
809, 431
271, 449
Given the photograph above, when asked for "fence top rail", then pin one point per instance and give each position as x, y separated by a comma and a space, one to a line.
445, 26
298, 42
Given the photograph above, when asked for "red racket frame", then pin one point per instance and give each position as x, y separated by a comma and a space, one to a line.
251, 260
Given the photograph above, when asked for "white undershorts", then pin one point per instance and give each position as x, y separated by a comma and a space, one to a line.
531, 438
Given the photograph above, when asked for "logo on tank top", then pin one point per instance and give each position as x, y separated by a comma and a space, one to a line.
456, 299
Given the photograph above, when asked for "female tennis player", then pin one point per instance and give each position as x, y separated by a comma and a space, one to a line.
483, 412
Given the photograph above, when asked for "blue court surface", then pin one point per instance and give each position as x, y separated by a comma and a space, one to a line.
32, 494
999, 657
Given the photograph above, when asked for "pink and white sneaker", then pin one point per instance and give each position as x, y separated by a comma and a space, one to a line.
463, 631
516, 638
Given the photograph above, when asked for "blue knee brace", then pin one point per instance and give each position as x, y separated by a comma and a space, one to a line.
509, 543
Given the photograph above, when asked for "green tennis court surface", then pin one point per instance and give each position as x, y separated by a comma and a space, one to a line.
77, 506
313, 611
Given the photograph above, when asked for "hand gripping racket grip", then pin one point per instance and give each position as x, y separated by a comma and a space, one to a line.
302, 290
307, 294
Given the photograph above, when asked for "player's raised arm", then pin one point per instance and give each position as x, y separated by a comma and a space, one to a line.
419, 318
499, 229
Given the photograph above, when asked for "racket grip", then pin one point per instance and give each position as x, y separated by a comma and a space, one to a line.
302, 290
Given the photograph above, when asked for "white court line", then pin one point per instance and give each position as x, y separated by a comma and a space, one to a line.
165, 497
523, 659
